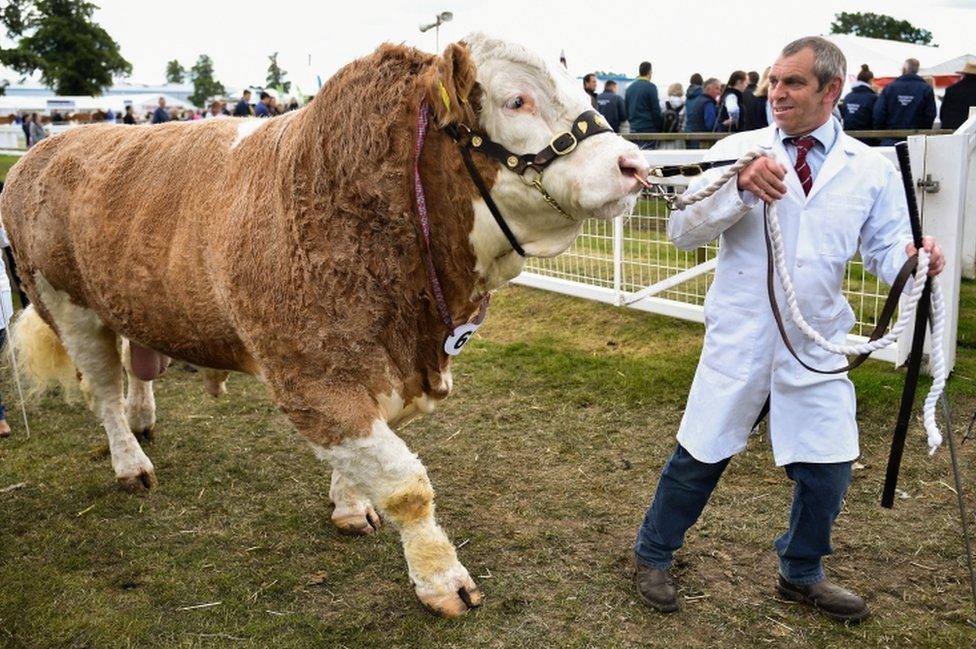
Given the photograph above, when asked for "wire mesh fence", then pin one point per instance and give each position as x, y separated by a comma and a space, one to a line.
648, 257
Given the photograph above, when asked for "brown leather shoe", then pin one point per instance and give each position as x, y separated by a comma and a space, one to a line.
830, 599
655, 588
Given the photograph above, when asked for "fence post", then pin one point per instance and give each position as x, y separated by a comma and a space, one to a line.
968, 132
618, 259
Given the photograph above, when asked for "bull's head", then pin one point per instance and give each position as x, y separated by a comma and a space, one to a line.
509, 94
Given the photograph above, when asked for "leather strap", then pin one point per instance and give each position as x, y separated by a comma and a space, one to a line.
479, 182
667, 171
891, 303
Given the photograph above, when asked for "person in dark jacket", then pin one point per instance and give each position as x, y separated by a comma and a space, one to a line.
589, 85
130, 117
959, 98
730, 104
701, 110
748, 99
243, 107
695, 84
643, 105
160, 115
611, 105
907, 102
858, 106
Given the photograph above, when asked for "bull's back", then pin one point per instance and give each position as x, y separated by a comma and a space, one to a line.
120, 218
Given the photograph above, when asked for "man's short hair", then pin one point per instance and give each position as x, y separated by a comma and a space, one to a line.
828, 61
709, 82
695, 80
588, 77
246, 92
644, 69
911, 66
265, 95
609, 85
753, 77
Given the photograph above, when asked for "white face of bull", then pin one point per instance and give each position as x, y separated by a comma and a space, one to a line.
524, 103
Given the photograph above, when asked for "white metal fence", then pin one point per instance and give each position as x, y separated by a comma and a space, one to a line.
630, 262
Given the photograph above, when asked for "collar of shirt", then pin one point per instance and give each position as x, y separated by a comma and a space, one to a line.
826, 136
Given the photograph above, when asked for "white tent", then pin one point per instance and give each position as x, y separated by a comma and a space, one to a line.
952, 66
70, 104
885, 58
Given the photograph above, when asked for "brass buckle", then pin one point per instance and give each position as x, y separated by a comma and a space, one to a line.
569, 149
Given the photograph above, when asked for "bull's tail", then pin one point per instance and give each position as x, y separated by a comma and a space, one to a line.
41, 357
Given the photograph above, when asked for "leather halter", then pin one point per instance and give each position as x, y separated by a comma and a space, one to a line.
587, 124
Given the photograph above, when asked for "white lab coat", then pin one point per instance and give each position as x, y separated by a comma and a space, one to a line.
856, 196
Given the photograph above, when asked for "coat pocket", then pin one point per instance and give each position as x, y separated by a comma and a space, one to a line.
731, 335
839, 222
835, 329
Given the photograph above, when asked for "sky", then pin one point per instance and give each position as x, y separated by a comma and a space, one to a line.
316, 39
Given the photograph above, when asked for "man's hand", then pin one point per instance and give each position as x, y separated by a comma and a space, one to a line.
764, 178
936, 258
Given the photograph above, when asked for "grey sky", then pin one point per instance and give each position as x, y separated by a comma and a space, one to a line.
707, 36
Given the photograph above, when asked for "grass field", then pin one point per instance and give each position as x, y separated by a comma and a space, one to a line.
6, 162
544, 460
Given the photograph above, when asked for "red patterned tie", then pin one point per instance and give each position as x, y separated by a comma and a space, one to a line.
803, 146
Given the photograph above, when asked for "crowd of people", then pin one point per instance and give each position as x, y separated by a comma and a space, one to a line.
741, 104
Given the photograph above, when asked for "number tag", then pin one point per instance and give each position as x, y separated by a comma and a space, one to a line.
459, 338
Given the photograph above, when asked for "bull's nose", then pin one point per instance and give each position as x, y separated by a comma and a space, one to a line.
633, 165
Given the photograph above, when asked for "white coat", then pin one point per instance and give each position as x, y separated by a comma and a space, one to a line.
857, 196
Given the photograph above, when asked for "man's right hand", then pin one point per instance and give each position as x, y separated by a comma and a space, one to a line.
764, 178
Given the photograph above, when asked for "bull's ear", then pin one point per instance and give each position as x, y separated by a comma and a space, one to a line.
449, 84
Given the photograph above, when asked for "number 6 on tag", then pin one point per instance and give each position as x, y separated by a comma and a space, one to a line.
459, 338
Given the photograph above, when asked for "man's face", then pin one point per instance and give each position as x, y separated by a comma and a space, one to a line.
713, 90
590, 84
798, 105
162, 103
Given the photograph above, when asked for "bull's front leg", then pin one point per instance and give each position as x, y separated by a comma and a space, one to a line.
380, 467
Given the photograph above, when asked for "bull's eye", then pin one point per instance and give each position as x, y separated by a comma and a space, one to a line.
515, 103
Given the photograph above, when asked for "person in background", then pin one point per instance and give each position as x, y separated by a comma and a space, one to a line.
908, 102
129, 117
959, 98
110, 116
589, 85
673, 110
730, 104
702, 115
762, 112
611, 105
695, 84
37, 132
748, 94
160, 115
243, 107
25, 125
263, 107
216, 110
858, 106
643, 105
694, 96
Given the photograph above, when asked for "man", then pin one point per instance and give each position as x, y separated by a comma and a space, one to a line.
833, 193
243, 107
959, 98
906, 102
263, 107
589, 85
702, 110
643, 105
130, 117
611, 105
160, 115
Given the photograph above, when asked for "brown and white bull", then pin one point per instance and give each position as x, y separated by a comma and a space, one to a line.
290, 249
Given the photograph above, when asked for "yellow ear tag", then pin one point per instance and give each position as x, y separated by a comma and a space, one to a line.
445, 97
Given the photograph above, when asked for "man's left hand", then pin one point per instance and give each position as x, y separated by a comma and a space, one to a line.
936, 258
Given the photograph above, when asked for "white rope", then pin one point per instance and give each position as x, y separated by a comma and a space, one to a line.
905, 315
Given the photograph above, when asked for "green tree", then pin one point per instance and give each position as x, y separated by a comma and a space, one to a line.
276, 76
204, 84
874, 25
175, 72
57, 37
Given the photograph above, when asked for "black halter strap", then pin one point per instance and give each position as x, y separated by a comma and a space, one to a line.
588, 124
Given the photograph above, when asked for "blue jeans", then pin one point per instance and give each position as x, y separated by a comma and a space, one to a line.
686, 485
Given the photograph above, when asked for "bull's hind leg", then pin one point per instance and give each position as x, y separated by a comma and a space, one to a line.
93, 349
380, 467
140, 403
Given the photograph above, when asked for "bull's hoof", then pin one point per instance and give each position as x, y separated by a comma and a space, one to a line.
143, 481
358, 524
453, 604
144, 434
